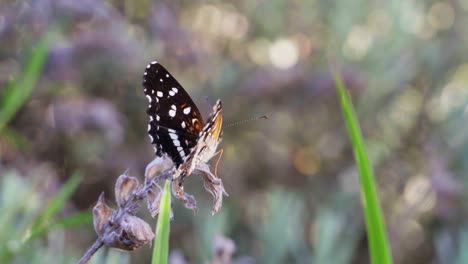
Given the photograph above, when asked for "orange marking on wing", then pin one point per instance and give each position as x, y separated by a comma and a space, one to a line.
196, 124
217, 126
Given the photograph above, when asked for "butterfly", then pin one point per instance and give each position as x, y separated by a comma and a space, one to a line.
176, 127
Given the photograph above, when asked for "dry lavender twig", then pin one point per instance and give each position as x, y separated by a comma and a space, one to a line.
91, 251
121, 228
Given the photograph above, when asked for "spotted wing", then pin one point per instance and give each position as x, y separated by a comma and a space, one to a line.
174, 120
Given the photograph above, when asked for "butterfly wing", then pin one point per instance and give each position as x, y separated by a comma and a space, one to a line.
214, 124
174, 120
207, 143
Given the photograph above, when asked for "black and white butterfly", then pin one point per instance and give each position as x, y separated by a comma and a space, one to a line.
176, 127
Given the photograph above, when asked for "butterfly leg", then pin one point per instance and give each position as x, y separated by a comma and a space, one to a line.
220, 152
180, 183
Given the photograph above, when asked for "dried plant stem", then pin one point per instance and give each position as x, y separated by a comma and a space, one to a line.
121, 228
116, 220
91, 251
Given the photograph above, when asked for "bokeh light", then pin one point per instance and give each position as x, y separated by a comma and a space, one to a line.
441, 15
358, 43
283, 53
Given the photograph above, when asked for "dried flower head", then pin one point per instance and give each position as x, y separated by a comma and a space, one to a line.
132, 232
214, 186
119, 229
153, 199
101, 215
223, 248
159, 168
125, 189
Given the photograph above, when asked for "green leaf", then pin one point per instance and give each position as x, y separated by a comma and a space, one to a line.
376, 232
161, 241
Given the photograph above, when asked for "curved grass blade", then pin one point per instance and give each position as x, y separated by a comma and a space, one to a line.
161, 241
376, 232
19, 90
75, 219
55, 203
42, 223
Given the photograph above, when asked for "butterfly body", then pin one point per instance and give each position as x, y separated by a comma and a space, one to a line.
176, 127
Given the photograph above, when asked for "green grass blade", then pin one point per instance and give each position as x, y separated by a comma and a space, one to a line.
75, 219
376, 232
55, 203
19, 90
161, 241
42, 223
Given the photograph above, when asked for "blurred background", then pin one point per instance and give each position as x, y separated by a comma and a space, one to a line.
292, 179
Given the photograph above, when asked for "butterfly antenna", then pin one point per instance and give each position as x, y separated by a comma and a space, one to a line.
208, 101
246, 120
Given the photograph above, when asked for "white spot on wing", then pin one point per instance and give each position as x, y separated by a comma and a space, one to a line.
161, 80
187, 110
149, 127
159, 94
182, 124
157, 118
154, 62
170, 130
176, 143
171, 93
172, 113
173, 107
175, 89
173, 136
149, 98
151, 138
167, 75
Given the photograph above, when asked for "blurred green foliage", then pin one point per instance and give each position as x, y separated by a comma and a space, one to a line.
25, 220
18, 91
